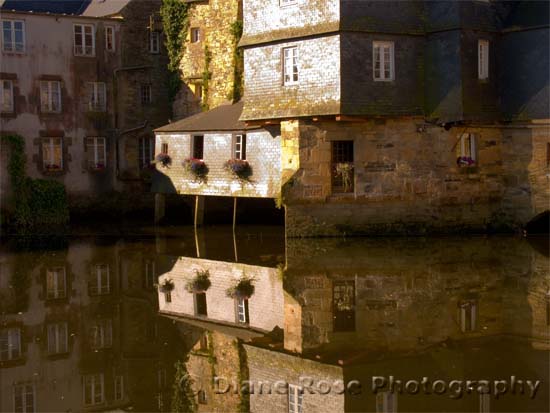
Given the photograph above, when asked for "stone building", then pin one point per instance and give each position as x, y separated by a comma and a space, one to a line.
84, 83
210, 65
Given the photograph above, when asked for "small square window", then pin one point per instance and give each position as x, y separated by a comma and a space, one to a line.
6, 96
383, 61
146, 97
290, 65
195, 35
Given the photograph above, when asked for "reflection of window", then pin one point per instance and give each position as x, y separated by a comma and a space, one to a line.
295, 398
343, 305
239, 147
154, 42
200, 304
24, 399
242, 310
50, 96
84, 40
119, 388
150, 274
197, 149
483, 59
55, 283
52, 154
468, 315
97, 96
6, 96
146, 151
100, 283
93, 389
167, 297
161, 378
57, 338
13, 36
383, 61
145, 93
484, 403
101, 334
10, 344
96, 153
386, 402
201, 395
110, 38
342, 166
466, 150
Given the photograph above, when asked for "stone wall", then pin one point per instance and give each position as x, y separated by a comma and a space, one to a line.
263, 152
265, 305
406, 178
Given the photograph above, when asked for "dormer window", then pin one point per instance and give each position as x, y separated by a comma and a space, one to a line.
84, 40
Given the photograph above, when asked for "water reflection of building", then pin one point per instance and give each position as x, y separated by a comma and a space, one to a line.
462, 309
79, 329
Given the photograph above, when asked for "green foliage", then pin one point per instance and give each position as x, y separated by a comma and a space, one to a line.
37, 202
182, 399
243, 375
238, 62
206, 76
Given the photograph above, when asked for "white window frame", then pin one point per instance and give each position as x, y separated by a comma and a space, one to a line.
101, 277
84, 49
291, 65
295, 399
195, 34
483, 59
101, 334
58, 342
468, 145
49, 89
56, 283
119, 388
110, 34
239, 147
242, 316
154, 42
52, 143
378, 53
96, 148
12, 44
10, 344
147, 97
96, 388
386, 402
6, 106
97, 94
25, 390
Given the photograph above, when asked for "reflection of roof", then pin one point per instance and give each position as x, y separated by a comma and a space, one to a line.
90, 8
222, 118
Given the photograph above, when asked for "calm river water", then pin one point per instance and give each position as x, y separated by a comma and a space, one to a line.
212, 321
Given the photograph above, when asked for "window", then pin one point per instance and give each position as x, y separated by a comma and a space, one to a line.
24, 399
110, 38
56, 283
342, 166
242, 310
97, 94
295, 398
383, 61
150, 274
483, 59
343, 305
201, 396
52, 154
119, 388
6, 103
164, 148
239, 147
96, 152
13, 36
50, 96
195, 35
386, 402
146, 151
154, 42
100, 283
290, 65
197, 148
10, 344
101, 334
283, 3
146, 94
167, 297
84, 40
200, 304
197, 90
466, 150
93, 389
57, 338
468, 315
484, 403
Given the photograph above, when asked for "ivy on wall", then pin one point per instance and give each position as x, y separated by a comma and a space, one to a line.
175, 22
36, 202
206, 76
238, 62
183, 400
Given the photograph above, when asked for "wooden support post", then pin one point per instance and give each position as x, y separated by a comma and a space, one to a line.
198, 218
234, 213
160, 207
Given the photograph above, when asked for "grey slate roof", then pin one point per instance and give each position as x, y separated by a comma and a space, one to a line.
222, 118
90, 8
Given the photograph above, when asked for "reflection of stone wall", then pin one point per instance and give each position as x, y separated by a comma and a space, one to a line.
407, 293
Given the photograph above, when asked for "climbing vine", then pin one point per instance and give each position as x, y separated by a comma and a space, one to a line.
238, 62
243, 377
36, 202
183, 399
175, 22
206, 76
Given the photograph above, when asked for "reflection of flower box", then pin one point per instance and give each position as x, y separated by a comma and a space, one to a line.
465, 161
241, 169
164, 159
166, 286
52, 168
197, 168
200, 283
98, 167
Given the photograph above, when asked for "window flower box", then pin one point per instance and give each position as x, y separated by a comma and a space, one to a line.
239, 168
244, 288
465, 161
164, 159
166, 286
200, 283
197, 168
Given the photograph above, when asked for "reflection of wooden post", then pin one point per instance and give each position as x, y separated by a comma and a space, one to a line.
160, 207
199, 211
235, 246
234, 213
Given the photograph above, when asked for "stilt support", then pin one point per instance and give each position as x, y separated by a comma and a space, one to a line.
160, 207
198, 219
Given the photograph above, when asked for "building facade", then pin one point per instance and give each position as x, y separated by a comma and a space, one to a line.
86, 96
